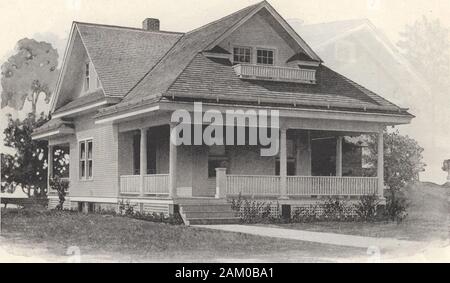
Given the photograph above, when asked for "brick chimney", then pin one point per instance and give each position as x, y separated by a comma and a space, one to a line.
150, 24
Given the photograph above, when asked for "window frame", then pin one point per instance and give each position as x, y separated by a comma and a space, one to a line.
87, 158
87, 77
243, 47
268, 50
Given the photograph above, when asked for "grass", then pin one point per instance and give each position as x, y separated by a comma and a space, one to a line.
124, 239
427, 220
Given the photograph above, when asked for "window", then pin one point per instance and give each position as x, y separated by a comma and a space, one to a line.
86, 159
87, 77
264, 57
242, 55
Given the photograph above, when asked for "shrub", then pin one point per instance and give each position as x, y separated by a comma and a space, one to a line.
61, 187
251, 211
366, 208
396, 206
127, 209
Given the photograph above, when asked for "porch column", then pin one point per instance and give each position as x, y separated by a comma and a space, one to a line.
283, 164
380, 164
221, 183
339, 156
50, 165
143, 159
172, 164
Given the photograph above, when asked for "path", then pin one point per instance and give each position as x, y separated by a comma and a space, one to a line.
317, 237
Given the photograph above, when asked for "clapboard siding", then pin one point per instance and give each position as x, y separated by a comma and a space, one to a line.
105, 159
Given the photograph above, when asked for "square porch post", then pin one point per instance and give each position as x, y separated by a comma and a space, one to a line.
143, 160
339, 141
380, 164
50, 165
172, 162
283, 164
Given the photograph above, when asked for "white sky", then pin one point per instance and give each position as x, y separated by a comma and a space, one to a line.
50, 20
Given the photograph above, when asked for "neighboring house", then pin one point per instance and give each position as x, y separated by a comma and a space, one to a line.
119, 87
361, 52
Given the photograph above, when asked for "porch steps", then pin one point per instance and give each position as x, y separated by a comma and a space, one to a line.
206, 211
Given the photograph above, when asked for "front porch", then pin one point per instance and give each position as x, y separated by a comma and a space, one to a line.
311, 164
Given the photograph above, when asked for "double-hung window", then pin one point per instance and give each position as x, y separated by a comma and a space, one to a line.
86, 159
242, 55
264, 57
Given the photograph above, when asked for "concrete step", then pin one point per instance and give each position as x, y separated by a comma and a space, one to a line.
208, 214
207, 208
214, 221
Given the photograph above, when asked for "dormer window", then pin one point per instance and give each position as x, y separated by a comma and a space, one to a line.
264, 57
87, 77
242, 55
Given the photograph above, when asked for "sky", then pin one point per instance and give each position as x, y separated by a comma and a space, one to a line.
50, 20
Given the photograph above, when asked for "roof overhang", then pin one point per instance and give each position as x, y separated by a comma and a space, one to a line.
386, 119
53, 133
87, 108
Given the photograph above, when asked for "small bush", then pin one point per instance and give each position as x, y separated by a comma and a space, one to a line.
127, 209
396, 206
366, 208
252, 212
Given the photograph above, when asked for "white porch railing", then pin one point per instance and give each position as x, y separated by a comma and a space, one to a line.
249, 71
301, 186
153, 184
130, 184
156, 184
333, 186
253, 185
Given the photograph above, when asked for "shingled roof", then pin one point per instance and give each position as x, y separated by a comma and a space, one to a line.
148, 66
122, 56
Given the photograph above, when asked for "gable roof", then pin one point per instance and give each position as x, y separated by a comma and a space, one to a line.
122, 56
322, 34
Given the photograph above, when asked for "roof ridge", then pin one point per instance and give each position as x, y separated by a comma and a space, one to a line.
225, 17
129, 28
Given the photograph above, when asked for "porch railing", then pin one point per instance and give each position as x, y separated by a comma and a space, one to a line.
249, 71
253, 185
156, 184
301, 186
334, 186
130, 184
153, 184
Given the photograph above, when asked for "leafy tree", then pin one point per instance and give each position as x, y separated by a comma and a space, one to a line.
402, 159
29, 74
402, 165
27, 168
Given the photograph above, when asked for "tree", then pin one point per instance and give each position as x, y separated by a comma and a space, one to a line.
27, 168
402, 165
29, 74
426, 44
402, 159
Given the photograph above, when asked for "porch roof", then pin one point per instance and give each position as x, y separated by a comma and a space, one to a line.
53, 127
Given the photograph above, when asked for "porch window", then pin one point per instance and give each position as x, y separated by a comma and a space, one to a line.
264, 57
86, 159
87, 77
242, 55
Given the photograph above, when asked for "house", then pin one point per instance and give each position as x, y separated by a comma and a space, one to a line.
119, 88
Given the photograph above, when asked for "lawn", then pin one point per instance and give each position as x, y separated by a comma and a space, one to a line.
122, 239
427, 220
